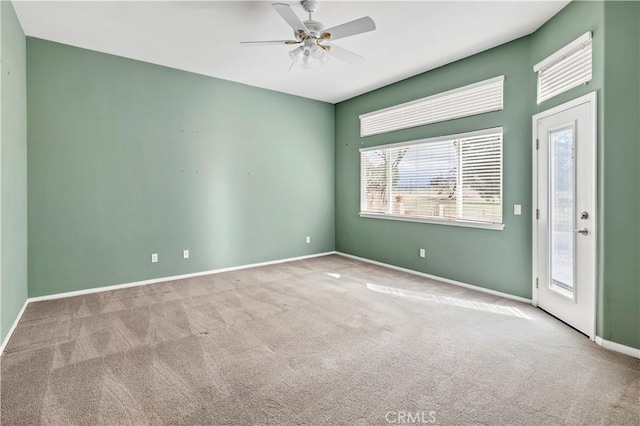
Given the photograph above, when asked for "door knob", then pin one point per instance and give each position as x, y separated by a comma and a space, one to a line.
583, 231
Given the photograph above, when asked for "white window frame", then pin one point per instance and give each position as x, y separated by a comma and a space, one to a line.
439, 221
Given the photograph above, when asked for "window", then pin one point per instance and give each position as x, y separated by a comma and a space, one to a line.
478, 98
567, 68
453, 179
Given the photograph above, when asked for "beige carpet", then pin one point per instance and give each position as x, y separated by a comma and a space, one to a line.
320, 341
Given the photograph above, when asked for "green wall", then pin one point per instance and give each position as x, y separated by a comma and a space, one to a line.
501, 260
621, 175
498, 260
13, 169
127, 159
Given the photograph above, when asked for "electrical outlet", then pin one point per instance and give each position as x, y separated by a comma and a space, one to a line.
517, 209
308, 240
185, 254
423, 253
154, 258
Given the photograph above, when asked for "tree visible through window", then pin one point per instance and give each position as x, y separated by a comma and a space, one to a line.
453, 179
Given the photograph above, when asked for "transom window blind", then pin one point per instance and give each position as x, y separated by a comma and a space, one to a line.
567, 68
454, 178
478, 98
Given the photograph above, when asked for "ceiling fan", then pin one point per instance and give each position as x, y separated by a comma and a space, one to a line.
313, 40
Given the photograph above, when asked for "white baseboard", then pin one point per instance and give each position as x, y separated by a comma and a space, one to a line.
147, 282
13, 327
434, 277
172, 278
617, 347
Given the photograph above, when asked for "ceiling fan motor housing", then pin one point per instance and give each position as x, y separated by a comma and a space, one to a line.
314, 27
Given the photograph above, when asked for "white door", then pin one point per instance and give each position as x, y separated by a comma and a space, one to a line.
564, 270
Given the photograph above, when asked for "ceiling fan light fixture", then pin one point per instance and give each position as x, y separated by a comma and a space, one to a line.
307, 63
324, 58
316, 51
296, 54
309, 57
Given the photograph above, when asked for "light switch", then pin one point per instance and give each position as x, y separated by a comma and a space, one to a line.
517, 209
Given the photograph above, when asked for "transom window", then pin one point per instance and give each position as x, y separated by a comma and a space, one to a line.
453, 179
567, 68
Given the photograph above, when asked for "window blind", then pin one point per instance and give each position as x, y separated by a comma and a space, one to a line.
478, 98
569, 67
455, 178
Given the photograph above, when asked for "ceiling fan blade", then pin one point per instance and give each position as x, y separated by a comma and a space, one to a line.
289, 15
358, 26
288, 42
345, 55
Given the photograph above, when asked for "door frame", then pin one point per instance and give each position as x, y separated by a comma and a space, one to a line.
592, 99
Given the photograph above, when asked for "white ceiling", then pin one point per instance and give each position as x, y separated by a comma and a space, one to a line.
203, 37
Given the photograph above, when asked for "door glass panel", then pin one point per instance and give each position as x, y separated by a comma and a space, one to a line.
562, 209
